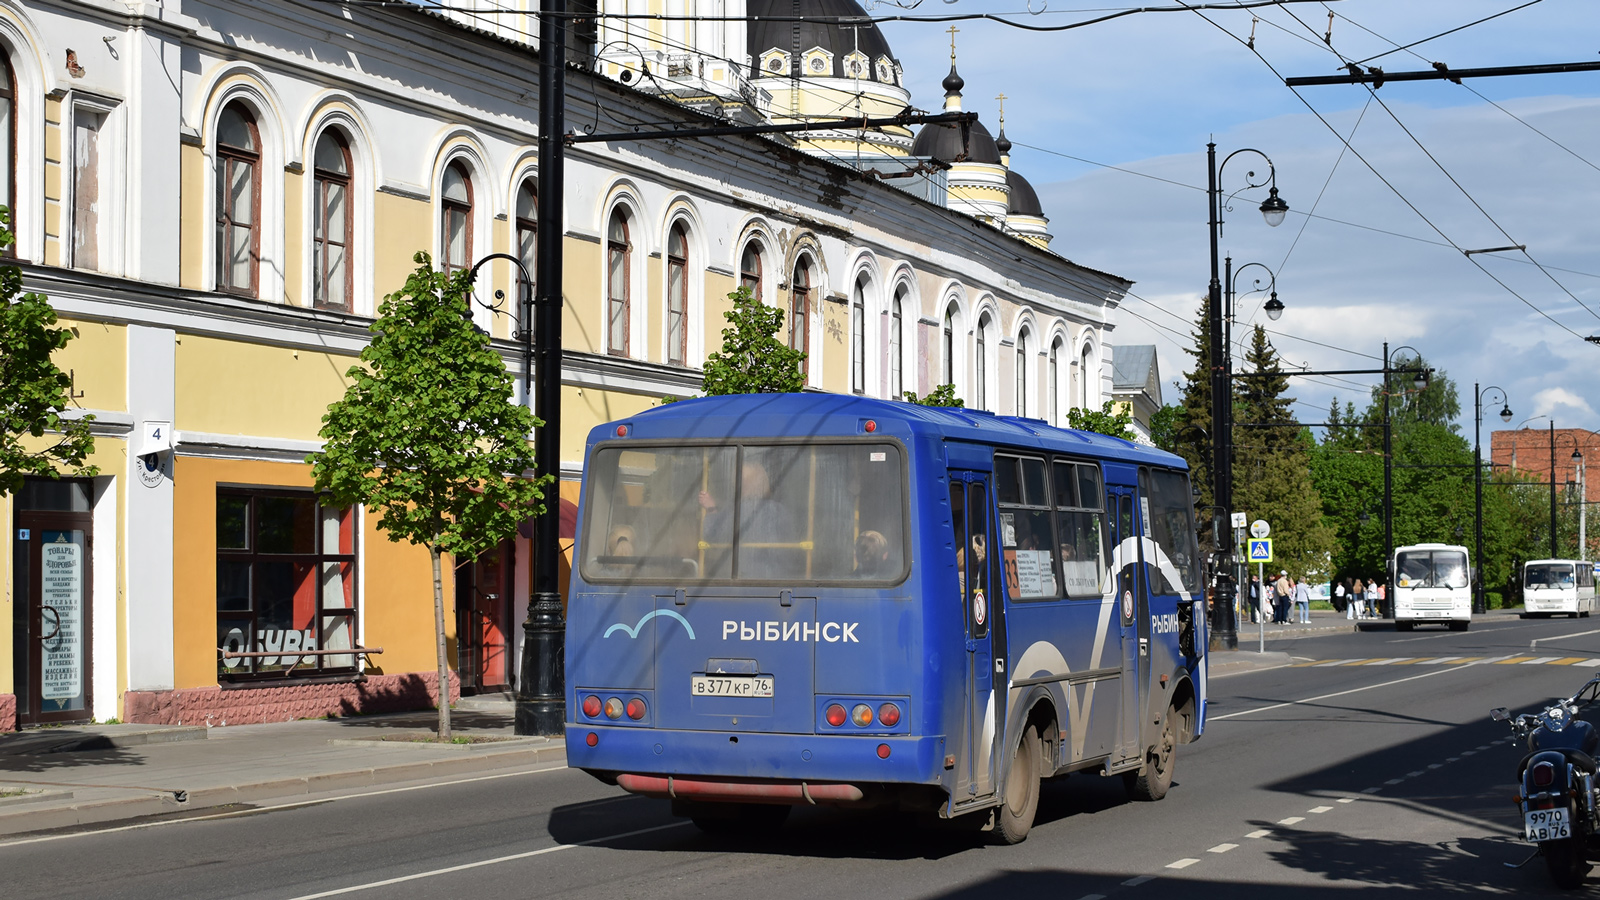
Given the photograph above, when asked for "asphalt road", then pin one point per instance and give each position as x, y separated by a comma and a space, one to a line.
1315, 779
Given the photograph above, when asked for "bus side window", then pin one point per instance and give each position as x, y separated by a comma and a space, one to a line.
981, 600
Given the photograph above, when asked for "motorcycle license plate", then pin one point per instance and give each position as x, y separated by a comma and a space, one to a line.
731, 686
1547, 824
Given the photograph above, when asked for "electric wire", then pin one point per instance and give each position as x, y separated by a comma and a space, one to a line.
1442, 33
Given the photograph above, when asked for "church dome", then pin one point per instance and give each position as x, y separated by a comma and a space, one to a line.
943, 142
841, 42
1024, 200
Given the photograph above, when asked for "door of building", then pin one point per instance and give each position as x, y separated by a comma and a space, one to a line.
51, 618
483, 619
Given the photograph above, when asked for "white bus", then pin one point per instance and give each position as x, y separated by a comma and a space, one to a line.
1432, 585
1552, 586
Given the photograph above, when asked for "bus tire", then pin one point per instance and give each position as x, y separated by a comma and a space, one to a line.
1020, 802
1458, 625
1155, 776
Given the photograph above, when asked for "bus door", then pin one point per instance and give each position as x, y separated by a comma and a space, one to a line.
984, 673
1133, 612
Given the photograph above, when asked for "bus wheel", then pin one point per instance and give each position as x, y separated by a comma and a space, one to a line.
1458, 625
747, 819
1155, 776
1021, 800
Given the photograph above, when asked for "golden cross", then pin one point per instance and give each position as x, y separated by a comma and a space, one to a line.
1002, 99
953, 32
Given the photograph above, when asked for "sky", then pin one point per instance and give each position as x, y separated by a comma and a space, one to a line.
1110, 123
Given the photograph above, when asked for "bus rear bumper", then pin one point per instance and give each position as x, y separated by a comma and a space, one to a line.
739, 760
729, 790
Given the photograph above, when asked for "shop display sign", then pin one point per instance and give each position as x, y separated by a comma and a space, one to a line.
62, 619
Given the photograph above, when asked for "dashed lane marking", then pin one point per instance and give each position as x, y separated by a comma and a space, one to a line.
1347, 799
1320, 809
1545, 661
1135, 882
1292, 820
1511, 661
1182, 863
1394, 781
1223, 848
1093, 897
1579, 661
1259, 833
1371, 790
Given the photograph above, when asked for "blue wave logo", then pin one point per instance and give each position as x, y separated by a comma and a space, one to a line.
634, 631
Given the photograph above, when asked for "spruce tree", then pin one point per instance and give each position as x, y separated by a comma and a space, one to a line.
1190, 428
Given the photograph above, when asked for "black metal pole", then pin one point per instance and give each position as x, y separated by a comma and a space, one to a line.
1223, 634
541, 689
1388, 481
1553, 551
1478, 605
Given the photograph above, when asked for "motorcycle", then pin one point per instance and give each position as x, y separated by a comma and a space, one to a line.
1558, 800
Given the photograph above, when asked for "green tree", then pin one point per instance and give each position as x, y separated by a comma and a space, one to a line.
943, 395
1272, 465
34, 393
1191, 428
427, 435
1112, 418
752, 359
1165, 425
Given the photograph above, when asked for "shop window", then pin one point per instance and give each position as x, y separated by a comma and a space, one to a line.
238, 201
334, 219
455, 211
285, 585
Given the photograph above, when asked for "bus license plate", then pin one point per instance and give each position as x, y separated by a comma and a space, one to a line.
1547, 824
731, 686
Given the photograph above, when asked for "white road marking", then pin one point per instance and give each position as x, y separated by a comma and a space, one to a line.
1589, 662
1320, 809
1559, 637
1182, 863
1358, 690
1371, 790
1435, 765
1469, 753
294, 804
1394, 781
1292, 820
1347, 799
1259, 833
1485, 747
1335, 662
1540, 661
1223, 848
1135, 882
1453, 759
485, 862
1414, 774
1435, 662
1093, 897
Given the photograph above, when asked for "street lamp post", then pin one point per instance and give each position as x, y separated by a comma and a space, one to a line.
1420, 381
1478, 605
1223, 633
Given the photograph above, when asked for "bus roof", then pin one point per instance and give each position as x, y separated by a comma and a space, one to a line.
834, 415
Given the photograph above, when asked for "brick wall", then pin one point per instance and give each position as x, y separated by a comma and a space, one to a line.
255, 704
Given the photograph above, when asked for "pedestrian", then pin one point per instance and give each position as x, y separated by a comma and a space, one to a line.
1255, 599
1341, 598
1280, 598
1373, 597
1383, 601
1302, 600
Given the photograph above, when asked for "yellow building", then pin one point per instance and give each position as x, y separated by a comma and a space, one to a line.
215, 195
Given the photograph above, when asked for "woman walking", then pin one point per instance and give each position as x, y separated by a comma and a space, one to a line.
1358, 599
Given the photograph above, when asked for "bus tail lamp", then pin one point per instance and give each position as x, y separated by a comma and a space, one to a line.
592, 739
835, 715
870, 427
861, 715
622, 431
889, 715
613, 708
883, 751
636, 709
592, 706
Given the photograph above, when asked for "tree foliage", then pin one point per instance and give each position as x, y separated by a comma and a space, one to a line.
34, 392
943, 395
1112, 418
752, 359
1165, 425
1191, 427
428, 436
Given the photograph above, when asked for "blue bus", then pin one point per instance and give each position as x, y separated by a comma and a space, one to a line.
787, 599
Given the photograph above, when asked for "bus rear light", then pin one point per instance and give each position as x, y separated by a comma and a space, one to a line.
889, 715
592, 739
591, 706
870, 427
835, 715
883, 751
622, 431
861, 714
636, 709
613, 708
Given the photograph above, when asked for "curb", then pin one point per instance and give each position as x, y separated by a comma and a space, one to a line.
92, 812
35, 743
1235, 662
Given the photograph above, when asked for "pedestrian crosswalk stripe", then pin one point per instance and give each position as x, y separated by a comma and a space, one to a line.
1452, 661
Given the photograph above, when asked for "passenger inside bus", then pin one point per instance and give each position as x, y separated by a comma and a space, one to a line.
872, 556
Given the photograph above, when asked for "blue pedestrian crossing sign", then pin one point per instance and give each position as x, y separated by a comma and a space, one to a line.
1261, 550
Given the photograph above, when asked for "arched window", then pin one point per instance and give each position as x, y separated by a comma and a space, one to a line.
896, 355
677, 295
1022, 372
238, 201
1055, 382
619, 258
8, 143
799, 310
1083, 379
527, 246
333, 222
947, 374
858, 337
750, 268
981, 362
455, 210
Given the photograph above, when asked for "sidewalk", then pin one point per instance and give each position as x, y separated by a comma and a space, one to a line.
58, 777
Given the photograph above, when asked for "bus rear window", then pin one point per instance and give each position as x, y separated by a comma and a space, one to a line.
750, 513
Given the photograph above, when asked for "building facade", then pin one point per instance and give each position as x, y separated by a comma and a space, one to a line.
216, 195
